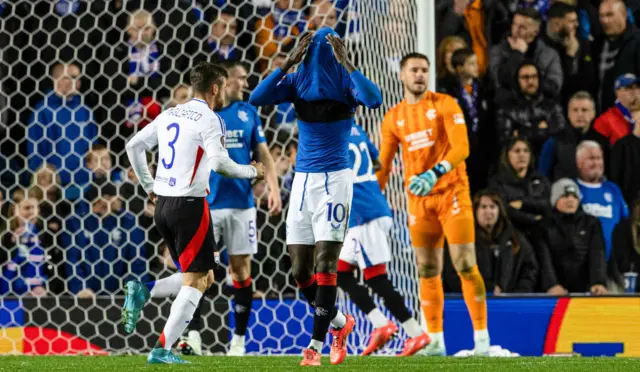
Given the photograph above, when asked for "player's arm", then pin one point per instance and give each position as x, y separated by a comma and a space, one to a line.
219, 160
259, 144
388, 149
456, 130
144, 140
276, 88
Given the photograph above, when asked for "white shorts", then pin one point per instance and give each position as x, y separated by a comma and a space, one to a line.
367, 245
319, 207
237, 227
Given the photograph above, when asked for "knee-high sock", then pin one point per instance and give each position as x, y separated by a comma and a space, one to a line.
325, 303
196, 322
358, 294
243, 299
181, 314
475, 297
432, 300
165, 287
309, 289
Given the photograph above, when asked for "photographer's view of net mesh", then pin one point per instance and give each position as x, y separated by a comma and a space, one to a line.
83, 47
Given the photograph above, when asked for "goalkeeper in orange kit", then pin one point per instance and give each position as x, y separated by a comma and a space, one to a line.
431, 130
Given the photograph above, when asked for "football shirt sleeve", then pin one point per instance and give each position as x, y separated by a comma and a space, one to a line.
388, 150
219, 160
145, 140
456, 129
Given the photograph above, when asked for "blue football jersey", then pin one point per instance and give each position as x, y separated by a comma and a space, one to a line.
244, 133
606, 202
368, 201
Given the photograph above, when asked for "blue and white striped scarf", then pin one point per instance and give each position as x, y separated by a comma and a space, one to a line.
144, 62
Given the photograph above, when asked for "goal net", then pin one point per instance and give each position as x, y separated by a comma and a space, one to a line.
77, 80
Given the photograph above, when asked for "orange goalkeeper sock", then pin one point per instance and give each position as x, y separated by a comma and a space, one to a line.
475, 296
432, 299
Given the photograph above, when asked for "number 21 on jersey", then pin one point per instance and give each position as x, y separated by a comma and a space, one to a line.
362, 172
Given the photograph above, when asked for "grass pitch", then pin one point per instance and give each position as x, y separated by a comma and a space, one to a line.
286, 364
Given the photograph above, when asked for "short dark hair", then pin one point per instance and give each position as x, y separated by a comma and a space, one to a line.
460, 56
559, 10
231, 63
529, 13
413, 55
206, 74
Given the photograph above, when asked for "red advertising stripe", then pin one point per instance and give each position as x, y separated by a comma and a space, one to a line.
554, 325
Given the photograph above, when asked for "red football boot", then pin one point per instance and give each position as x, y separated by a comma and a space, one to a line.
339, 345
413, 345
310, 358
379, 337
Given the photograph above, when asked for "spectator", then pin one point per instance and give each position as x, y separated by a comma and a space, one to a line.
618, 121
625, 164
626, 247
600, 198
323, 13
25, 274
468, 19
444, 68
575, 52
180, 94
475, 102
99, 162
505, 258
557, 159
525, 191
277, 31
61, 128
571, 248
221, 44
506, 58
617, 52
528, 112
106, 248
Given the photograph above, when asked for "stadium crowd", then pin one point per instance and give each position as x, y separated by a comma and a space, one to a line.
549, 88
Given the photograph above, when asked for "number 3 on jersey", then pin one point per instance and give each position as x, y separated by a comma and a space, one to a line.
171, 143
366, 174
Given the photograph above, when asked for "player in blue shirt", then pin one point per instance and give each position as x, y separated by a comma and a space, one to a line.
325, 90
600, 198
366, 246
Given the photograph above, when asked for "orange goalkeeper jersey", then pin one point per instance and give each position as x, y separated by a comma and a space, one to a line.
428, 132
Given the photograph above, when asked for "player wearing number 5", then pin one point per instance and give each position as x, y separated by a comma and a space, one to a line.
184, 134
325, 90
431, 130
366, 246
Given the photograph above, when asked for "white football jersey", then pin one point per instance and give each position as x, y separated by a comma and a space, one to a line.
184, 134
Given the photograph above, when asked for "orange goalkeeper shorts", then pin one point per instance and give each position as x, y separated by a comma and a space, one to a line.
448, 214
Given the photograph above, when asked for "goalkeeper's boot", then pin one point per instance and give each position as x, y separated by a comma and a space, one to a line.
237, 347
310, 357
339, 344
191, 345
136, 295
162, 356
379, 337
415, 344
482, 342
435, 348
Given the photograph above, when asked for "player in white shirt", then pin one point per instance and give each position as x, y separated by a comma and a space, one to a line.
183, 135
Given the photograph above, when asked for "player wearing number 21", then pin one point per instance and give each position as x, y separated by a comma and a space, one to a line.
431, 129
325, 90
184, 134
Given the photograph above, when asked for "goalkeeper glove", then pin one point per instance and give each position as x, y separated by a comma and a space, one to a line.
422, 184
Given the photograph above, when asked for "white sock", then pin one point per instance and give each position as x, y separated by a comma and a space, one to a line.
482, 334
181, 314
315, 344
437, 337
237, 338
166, 287
339, 321
412, 328
377, 318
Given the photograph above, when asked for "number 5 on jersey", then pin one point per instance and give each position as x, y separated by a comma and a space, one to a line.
171, 144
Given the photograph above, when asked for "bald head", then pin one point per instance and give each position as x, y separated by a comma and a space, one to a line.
613, 17
589, 161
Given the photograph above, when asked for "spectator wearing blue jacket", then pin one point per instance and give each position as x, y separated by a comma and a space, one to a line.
105, 248
61, 130
600, 198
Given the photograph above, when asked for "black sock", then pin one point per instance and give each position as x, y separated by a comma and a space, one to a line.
243, 299
310, 293
392, 299
196, 322
358, 294
324, 311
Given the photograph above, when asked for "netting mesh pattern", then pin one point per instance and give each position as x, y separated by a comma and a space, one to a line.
77, 80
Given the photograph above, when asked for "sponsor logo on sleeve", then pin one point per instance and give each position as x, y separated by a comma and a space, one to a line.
458, 119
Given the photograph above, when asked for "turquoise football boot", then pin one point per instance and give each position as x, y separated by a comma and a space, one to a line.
162, 356
136, 295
